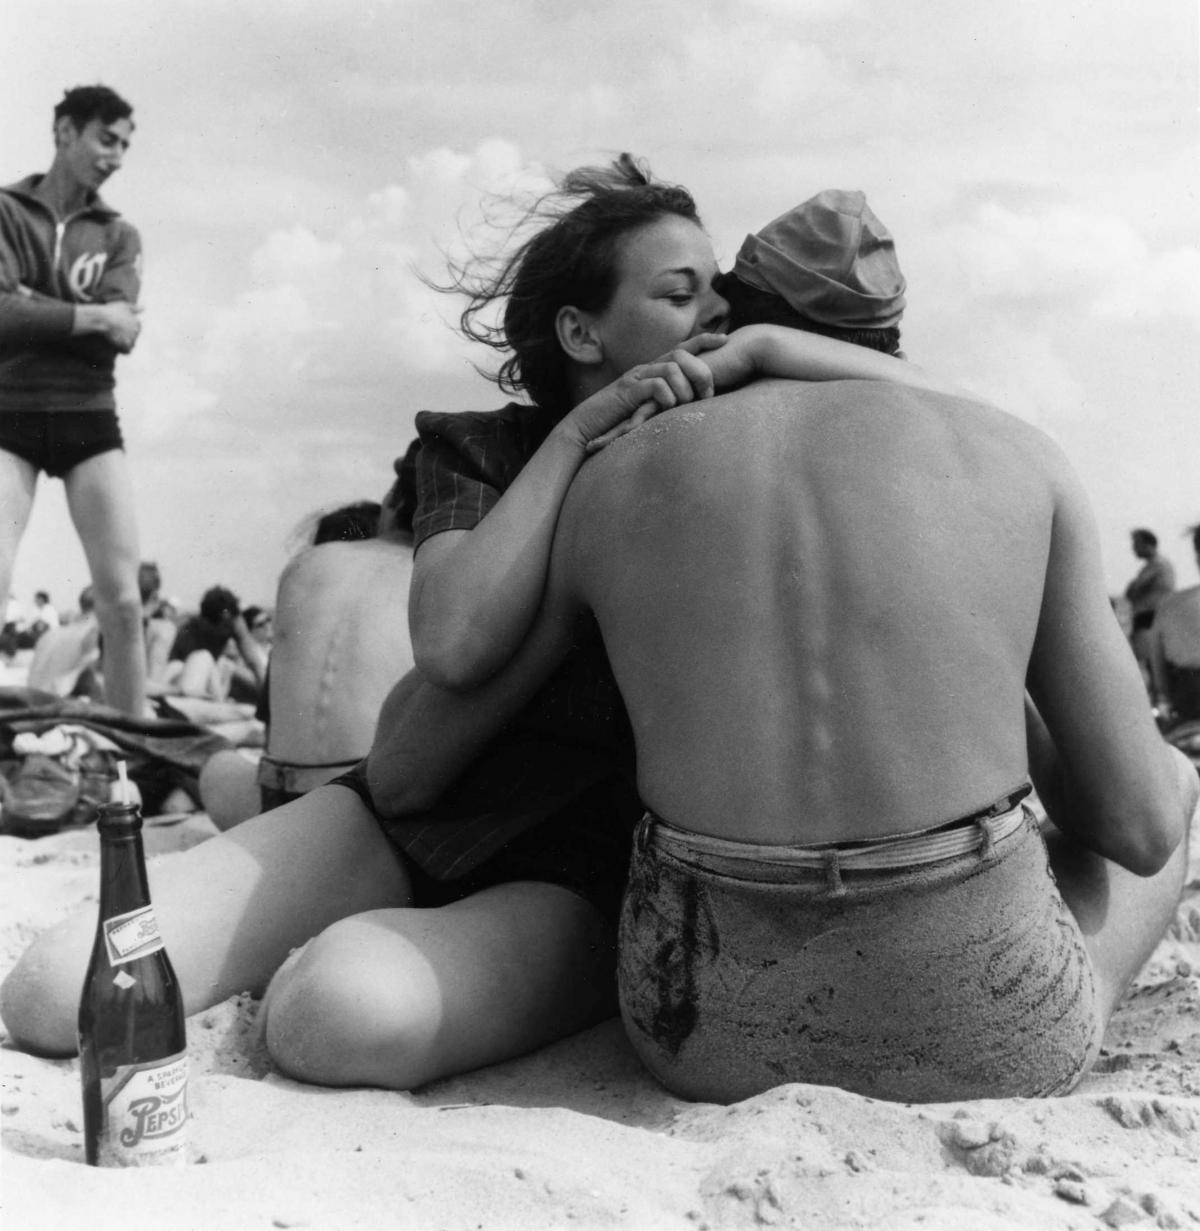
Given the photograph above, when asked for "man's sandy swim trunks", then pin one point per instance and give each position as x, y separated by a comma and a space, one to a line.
925, 968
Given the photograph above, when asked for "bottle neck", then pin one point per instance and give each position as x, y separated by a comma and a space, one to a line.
123, 882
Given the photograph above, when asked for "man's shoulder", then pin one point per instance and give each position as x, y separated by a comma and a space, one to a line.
968, 415
21, 189
895, 408
122, 228
17, 201
793, 433
340, 565
119, 233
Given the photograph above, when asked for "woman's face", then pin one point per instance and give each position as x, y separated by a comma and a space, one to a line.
664, 295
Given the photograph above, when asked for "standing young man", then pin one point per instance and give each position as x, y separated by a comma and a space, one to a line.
70, 273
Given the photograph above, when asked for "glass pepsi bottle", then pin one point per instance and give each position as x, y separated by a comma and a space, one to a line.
132, 1039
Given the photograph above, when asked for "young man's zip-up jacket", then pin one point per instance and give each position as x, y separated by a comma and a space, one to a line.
47, 265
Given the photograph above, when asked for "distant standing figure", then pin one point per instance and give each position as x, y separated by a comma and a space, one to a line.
1175, 653
1154, 581
70, 274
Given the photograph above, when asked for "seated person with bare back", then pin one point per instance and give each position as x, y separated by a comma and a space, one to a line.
837, 880
64, 653
338, 648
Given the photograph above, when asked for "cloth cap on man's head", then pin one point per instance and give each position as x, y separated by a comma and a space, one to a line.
831, 259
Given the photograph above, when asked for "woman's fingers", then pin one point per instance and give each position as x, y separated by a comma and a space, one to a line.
679, 377
698, 373
594, 446
684, 362
645, 411
646, 390
703, 342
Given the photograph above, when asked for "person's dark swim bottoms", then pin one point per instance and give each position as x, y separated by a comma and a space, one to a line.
58, 441
584, 846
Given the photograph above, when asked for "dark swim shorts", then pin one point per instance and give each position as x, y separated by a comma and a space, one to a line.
57, 441
897, 970
584, 846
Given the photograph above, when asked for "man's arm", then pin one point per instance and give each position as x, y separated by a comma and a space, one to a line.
25, 315
1140, 585
1099, 764
28, 316
253, 654
114, 313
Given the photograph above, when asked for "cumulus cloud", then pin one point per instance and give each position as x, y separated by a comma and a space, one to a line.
321, 315
1026, 371
1059, 256
1164, 285
287, 182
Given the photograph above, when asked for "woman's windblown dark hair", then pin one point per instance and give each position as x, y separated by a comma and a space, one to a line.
570, 259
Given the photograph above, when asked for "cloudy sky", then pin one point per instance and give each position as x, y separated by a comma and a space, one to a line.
297, 161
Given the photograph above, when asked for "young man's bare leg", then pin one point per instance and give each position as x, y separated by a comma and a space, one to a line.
1123, 916
230, 910
397, 998
100, 499
18, 483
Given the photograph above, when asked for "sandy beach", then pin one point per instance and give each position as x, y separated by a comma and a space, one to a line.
577, 1135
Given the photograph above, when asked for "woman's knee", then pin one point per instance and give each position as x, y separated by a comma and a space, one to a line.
355, 1006
229, 789
39, 999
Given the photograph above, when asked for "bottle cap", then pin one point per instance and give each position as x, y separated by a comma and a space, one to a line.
121, 812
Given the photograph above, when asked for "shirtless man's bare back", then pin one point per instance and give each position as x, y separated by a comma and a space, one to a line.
825, 606
339, 645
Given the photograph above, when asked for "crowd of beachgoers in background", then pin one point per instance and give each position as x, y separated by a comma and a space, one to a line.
217, 649
214, 648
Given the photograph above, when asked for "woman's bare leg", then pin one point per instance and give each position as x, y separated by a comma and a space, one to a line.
230, 910
1122, 916
397, 998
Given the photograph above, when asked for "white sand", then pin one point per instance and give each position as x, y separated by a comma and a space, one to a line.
578, 1136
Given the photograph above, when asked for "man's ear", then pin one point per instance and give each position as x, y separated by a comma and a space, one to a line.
64, 129
577, 336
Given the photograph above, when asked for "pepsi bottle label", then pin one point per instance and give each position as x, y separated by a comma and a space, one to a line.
144, 1115
132, 935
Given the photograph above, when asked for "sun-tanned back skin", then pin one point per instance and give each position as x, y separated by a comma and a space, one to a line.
339, 646
860, 575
